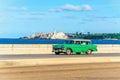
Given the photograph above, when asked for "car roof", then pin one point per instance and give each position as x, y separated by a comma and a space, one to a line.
80, 40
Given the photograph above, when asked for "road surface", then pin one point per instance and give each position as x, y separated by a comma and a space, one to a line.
96, 71
39, 56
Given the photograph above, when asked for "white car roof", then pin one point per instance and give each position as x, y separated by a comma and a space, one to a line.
80, 40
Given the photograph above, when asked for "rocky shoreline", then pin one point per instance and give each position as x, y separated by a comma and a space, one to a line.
42, 35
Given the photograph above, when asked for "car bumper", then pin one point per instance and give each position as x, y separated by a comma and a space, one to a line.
58, 50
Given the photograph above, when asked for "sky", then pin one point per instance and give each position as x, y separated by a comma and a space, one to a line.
25, 17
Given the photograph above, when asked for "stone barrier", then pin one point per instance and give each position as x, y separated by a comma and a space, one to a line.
111, 48
25, 48
47, 48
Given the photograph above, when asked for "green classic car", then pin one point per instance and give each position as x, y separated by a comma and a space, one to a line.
75, 46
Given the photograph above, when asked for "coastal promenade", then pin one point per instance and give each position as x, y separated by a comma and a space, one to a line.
47, 48
37, 62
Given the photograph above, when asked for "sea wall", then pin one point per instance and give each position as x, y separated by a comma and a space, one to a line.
111, 48
47, 48
25, 48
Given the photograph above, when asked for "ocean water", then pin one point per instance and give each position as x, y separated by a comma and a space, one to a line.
30, 41
49, 41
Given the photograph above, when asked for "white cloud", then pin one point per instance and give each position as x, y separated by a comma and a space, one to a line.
37, 13
32, 13
70, 7
87, 7
18, 8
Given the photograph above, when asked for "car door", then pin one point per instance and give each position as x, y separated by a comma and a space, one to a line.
77, 47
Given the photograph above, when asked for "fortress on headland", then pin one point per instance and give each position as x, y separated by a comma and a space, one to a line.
42, 35
77, 35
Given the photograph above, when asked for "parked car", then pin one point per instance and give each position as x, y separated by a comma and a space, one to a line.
75, 46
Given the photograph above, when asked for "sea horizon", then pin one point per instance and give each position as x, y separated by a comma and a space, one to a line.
51, 41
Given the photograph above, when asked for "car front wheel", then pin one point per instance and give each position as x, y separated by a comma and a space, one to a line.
89, 52
68, 51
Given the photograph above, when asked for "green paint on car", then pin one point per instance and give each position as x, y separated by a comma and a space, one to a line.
75, 46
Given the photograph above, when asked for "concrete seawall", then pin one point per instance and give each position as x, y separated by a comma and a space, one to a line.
111, 48
25, 48
47, 48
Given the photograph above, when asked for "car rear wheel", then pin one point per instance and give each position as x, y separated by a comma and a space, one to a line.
89, 52
68, 51
57, 53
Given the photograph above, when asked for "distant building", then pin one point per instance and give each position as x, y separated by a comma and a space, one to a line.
59, 35
41, 35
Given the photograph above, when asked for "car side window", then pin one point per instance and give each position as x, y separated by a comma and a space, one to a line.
88, 43
77, 42
83, 42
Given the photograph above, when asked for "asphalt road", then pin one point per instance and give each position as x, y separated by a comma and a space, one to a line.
96, 71
39, 56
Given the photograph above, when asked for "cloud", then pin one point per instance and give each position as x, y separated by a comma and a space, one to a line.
37, 13
30, 18
70, 7
18, 8
33, 13
92, 18
107, 17
87, 7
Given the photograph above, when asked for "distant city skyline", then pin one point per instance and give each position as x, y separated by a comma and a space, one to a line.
25, 17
